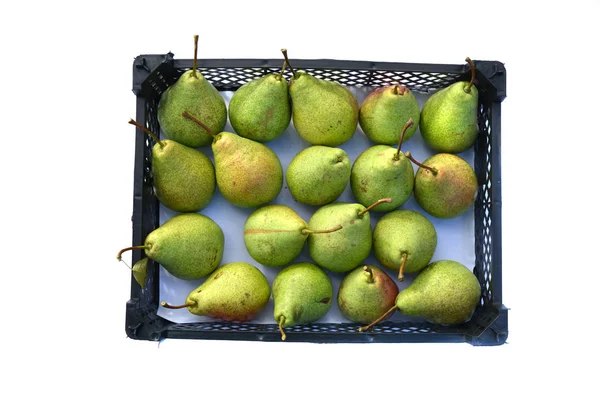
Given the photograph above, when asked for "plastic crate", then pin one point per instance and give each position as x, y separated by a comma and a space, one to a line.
152, 74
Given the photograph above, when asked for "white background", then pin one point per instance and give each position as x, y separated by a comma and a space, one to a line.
67, 170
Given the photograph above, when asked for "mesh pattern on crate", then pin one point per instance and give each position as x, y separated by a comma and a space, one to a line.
385, 327
483, 207
233, 78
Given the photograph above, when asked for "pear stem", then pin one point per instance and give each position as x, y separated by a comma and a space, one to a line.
370, 272
129, 248
283, 69
143, 128
308, 231
281, 322
195, 56
407, 125
411, 158
378, 202
378, 320
401, 271
472, 65
167, 305
284, 51
206, 128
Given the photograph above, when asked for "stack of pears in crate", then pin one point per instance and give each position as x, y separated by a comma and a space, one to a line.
338, 235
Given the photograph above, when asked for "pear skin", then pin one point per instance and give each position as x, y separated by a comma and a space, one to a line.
188, 246
385, 111
260, 110
378, 172
345, 249
445, 293
302, 293
445, 186
184, 178
404, 241
365, 293
318, 175
194, 94
449, 118
249, 174
324, 112
233, 292
274, 236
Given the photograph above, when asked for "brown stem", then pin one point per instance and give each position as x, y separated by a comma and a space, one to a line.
206, 128
411, 158
308, 231
281, 322
195, 56
407, 125
143, 128
378, 320
378, 202
370, 272
282, 69
401, 271
284, 51
167, 305
472, 65
129, 248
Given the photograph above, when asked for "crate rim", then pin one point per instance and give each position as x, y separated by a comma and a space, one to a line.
142, 321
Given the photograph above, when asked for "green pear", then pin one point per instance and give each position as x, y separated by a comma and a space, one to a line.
343, 250
445, 185
233, 292
449, 117
324, 112
383, 171
365, 293
192, 93
404, 241
302, 294
318, 175
188, 246
260, 110
184, 178
140, 271
275, 234
445, 292
249, 174
385, 111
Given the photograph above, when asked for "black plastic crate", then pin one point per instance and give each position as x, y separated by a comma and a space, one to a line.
152, 74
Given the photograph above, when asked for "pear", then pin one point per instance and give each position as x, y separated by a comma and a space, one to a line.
318, 175
404, 241
385, 111
302, 294
324, 112
140, 271
233, 292
345, 249
249, 174
184, 178
191, 92
445, 185
274, 235
445, 292
188, 246
449, 117
260, 110
365, 293
383, 171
